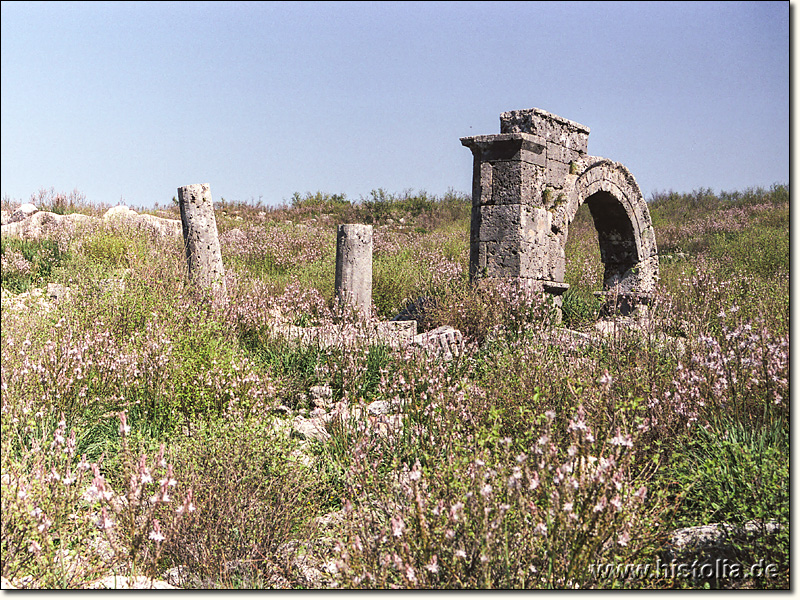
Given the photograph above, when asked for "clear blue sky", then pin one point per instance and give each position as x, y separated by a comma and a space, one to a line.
132, 100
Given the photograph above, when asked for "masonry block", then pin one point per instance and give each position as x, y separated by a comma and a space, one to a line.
551, 127
515, 182
556, 174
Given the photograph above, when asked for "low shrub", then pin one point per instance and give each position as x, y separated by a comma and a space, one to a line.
491, 517
252, 496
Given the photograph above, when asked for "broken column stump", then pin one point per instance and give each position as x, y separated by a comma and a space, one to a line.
203, 254
354, 268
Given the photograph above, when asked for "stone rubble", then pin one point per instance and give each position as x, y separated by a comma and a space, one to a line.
707, 544
29, 223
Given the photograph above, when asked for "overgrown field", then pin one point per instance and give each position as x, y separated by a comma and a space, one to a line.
145, 429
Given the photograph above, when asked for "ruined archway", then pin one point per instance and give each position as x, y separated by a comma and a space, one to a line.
528, 183
622, 219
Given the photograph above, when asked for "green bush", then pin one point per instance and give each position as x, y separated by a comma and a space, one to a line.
734, 473
580, 308
761, 252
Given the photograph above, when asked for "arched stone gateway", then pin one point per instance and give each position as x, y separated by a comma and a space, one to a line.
528, 183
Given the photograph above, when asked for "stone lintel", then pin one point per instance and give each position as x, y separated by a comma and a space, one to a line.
556, 288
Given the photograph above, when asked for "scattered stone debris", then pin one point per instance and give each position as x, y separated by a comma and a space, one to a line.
313, 428
122, 582
27, 222
321, 396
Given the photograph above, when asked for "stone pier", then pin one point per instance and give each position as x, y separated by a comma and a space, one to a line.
528, 183
203, 253
354, 267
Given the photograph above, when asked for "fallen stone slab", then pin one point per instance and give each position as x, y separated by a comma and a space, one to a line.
22, 212
445, 341
707, 544
396, 335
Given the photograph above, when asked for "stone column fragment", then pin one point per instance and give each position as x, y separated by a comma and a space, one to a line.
203, 253
354, 267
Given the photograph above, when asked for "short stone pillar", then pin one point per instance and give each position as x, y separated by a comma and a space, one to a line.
354, 267
203, 253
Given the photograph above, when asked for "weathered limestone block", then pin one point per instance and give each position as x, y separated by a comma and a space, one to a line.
706, 546
203, 253
158, 225
508, 146
481, 181
556, 174
397, 333
43, 223
445, 342
515, 182
551, 127
502, 223
22, 212
121, 212
313, 429
353, 282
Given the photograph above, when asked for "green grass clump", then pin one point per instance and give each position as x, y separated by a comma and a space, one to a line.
29, 262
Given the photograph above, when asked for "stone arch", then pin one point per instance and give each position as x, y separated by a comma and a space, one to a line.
528, 183
622, 220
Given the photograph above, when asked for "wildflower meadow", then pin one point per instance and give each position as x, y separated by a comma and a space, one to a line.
150, 433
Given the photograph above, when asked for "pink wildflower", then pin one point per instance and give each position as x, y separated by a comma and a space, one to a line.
156, 534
